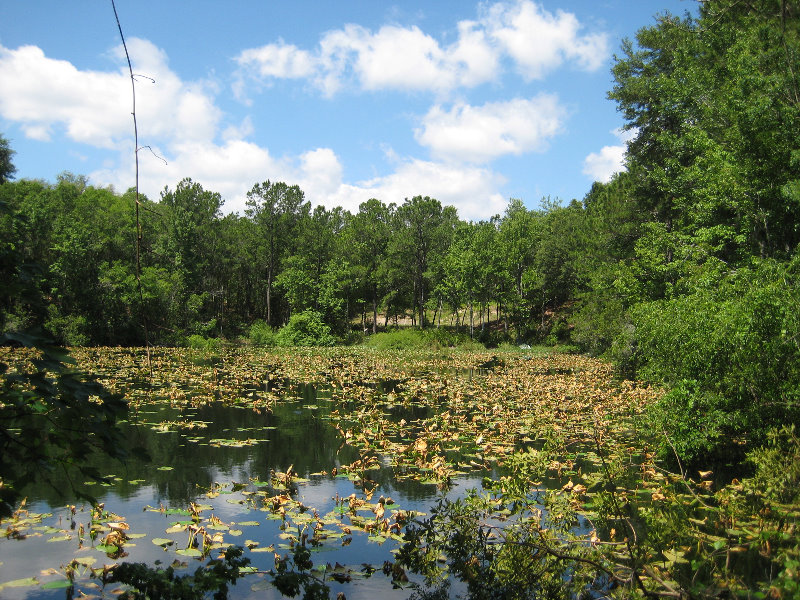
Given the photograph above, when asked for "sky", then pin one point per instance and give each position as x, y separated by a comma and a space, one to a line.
471, 103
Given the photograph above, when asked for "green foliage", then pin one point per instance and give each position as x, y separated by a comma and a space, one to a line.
198, 342
150, 583
398, 339
410, 339
262, 335
51, 414
70, 330
731, 352
306, 328
292, 576
526, 558
7, 168
778, 465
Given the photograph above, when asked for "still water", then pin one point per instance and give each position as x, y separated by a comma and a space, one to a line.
223, 458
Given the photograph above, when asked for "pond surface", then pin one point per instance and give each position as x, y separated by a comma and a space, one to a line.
223, 457
264, 452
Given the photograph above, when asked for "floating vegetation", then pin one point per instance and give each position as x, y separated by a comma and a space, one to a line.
553, 439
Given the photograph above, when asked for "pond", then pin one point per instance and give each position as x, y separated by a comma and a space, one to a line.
332, 449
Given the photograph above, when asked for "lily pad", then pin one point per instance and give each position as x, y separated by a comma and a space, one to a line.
175, 529
28, 581
162, 541
58, 584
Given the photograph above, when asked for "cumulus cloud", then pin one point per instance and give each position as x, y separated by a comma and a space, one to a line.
42, 93
539, 41
407, 58
230, 168
601, 166
473, 191
279, 60
391, 58
481, 133
181, 122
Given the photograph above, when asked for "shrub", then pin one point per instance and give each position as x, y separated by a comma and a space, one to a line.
198, 342
70, 330
398, 339
305, 329
431, 339
731, 353
441, 337
262, 335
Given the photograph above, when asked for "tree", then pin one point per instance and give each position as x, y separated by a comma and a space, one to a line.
715, 106
709, 286
276, 209
364, 241
7, 168
192, 217
518, 238
51, 415
423, 234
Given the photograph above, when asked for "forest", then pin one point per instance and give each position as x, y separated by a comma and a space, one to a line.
682, 271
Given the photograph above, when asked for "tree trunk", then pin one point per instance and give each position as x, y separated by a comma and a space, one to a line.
421, 304
269, 297
374, 311
471, 321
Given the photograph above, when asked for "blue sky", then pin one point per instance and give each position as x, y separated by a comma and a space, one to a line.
471, 103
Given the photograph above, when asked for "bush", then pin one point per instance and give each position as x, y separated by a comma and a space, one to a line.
778, 466
441, 337
305, 329
70, 330
262, 335
600, 319
731, 354
198, 342
398, 339
431, 339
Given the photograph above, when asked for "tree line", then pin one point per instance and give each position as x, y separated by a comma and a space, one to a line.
212, 274
683, 269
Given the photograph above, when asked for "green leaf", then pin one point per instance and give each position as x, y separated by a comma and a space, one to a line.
162, 541
28, 581
58, 584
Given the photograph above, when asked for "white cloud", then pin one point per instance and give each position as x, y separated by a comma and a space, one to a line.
540, 41
243, 130
182, 123
93, 107
407, 58
230, 169
481, 133
391, 58
473, 191
279, 60
40, 92
601, 166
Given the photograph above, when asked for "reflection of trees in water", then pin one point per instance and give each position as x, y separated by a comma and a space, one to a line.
297, 432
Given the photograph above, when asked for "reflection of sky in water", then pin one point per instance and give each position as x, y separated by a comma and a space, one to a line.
290, 435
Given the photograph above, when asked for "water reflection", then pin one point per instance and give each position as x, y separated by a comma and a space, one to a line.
193, 448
